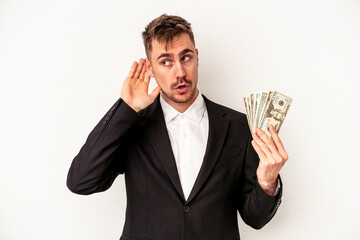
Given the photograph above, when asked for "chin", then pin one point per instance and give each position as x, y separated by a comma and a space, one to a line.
180, 98
183, 98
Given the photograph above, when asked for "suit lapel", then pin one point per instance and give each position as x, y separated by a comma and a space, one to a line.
154, 123
218, 125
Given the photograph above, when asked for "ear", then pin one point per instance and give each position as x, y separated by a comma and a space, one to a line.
197, 55
149, 69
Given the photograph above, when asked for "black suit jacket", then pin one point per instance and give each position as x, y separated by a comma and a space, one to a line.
138, 145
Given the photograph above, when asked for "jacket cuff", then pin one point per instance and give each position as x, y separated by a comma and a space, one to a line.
120, 106
275, 200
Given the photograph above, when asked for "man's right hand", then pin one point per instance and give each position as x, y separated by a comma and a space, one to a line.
135, 87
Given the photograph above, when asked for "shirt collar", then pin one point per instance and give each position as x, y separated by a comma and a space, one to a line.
195, 112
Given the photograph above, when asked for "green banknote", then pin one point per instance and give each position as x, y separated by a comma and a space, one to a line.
265, 108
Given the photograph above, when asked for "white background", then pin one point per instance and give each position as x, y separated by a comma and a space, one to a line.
62, 64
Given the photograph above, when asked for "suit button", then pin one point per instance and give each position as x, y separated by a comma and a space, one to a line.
186, 209
104, 122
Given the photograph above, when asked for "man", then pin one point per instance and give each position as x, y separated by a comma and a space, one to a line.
189, 163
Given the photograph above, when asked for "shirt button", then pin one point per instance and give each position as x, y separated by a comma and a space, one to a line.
185, 135
181, 116
186, 209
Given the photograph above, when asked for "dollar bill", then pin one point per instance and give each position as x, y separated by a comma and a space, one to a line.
265, 108
275, 112
256, 107
251, 110
260, 108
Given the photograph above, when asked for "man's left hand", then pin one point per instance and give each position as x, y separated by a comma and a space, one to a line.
272, 158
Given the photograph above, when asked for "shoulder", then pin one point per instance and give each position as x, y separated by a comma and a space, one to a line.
230, 113
238, 132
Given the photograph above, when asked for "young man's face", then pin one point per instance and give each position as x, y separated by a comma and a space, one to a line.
175, 68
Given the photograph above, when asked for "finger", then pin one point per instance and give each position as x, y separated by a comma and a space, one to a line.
273, 152
143, 70
258, 149
265, 138
263, 146
132, 70
147, 78
155, 92
278, 142
139, 68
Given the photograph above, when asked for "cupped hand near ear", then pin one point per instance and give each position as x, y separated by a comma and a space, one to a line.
136, 85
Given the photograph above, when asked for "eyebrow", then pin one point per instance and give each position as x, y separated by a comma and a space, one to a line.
186, 50
164, 55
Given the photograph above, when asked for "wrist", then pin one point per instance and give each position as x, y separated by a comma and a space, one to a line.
268, 187
131, 105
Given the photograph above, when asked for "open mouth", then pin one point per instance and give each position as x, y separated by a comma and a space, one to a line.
182, 89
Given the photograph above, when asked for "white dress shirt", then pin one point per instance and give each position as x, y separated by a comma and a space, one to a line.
188, 133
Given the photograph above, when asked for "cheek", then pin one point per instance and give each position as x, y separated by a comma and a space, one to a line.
194, 73
165, 76
162, 81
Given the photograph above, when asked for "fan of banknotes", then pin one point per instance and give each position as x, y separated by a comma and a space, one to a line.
265, 108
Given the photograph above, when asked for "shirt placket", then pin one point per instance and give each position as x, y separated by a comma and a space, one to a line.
184, 154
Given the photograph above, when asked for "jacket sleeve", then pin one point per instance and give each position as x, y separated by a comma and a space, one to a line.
256, 207
102, 158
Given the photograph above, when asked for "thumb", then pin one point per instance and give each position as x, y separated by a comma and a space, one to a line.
155, 92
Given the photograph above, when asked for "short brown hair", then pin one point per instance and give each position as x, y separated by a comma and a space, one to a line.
164, 29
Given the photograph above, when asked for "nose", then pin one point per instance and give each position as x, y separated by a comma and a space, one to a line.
179, 70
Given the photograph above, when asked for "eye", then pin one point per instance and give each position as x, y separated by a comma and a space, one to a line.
165, 62
185, 58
